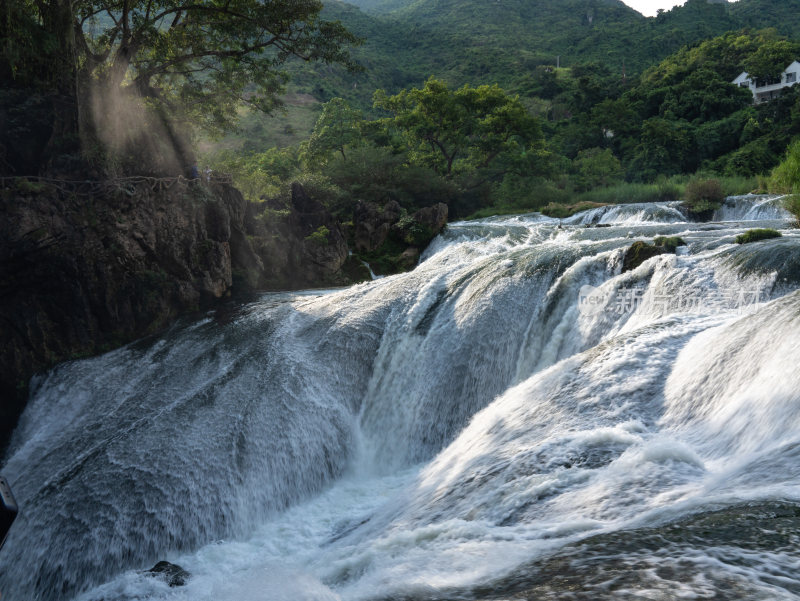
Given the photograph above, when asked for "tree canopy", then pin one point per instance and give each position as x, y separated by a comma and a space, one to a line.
466, 130
339, 126
199, 60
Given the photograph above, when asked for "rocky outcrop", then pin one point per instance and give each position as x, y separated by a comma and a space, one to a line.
639, 252
88, 266
295, 245
433, 217
389, 238
372, 224
174, 575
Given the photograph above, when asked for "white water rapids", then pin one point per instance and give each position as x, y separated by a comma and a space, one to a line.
470, 430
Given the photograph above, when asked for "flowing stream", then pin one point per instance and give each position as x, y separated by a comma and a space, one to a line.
514, 419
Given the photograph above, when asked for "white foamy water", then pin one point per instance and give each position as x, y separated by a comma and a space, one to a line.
465, 430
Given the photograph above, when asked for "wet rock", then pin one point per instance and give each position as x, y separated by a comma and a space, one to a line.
174, 575
408, 258
638, 253
670, 243
433, 217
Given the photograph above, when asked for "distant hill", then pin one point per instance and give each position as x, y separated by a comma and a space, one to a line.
504, 41
496, 40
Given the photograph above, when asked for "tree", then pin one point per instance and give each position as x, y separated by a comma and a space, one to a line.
195, 61
662, 149
597, 168
466, 131
338, 126
767, 63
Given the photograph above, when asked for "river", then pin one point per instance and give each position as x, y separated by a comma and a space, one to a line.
514, 419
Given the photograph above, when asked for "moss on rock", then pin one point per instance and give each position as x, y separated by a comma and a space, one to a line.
639, 252
757, 235
671, 243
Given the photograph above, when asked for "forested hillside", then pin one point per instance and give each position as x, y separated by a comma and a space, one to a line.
498, 42
514, 43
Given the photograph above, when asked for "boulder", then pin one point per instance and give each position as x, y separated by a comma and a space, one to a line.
408, 258
433, 217
372, 224
639, 252
174, 575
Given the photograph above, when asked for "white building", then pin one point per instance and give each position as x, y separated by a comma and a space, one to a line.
765, 92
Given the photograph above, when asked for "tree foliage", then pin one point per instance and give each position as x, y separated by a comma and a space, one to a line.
207, 54
339, 126
468, 130
195, 61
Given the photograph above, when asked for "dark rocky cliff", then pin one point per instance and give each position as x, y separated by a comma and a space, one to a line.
88, 266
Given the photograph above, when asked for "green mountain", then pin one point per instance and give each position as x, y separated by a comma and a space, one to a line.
503, 41
509, 42
496, 40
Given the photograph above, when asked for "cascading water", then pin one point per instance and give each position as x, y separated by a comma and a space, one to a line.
516, 417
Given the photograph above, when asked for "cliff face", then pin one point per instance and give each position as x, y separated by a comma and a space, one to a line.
296, 246
87, 267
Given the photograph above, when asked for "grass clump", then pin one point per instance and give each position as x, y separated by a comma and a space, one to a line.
756, 235
703, 197
671, 243
792, 204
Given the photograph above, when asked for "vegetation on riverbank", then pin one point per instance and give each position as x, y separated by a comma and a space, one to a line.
680, 131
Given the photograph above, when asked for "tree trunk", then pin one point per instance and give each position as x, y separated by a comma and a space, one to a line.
58, 18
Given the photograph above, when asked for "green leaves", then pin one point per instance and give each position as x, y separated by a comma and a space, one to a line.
338, 127
768, 62
201, 57
464, 131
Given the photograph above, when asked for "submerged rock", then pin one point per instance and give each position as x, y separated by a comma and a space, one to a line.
671, 243
172, 574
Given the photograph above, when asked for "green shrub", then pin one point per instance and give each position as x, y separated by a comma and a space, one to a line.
739, 185
785, 178
319, 237
25, 185
633, 193
380, 175
792, 204
703, 196
756, 235
669, 242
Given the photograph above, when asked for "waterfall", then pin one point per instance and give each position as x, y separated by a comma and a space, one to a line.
513, 405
